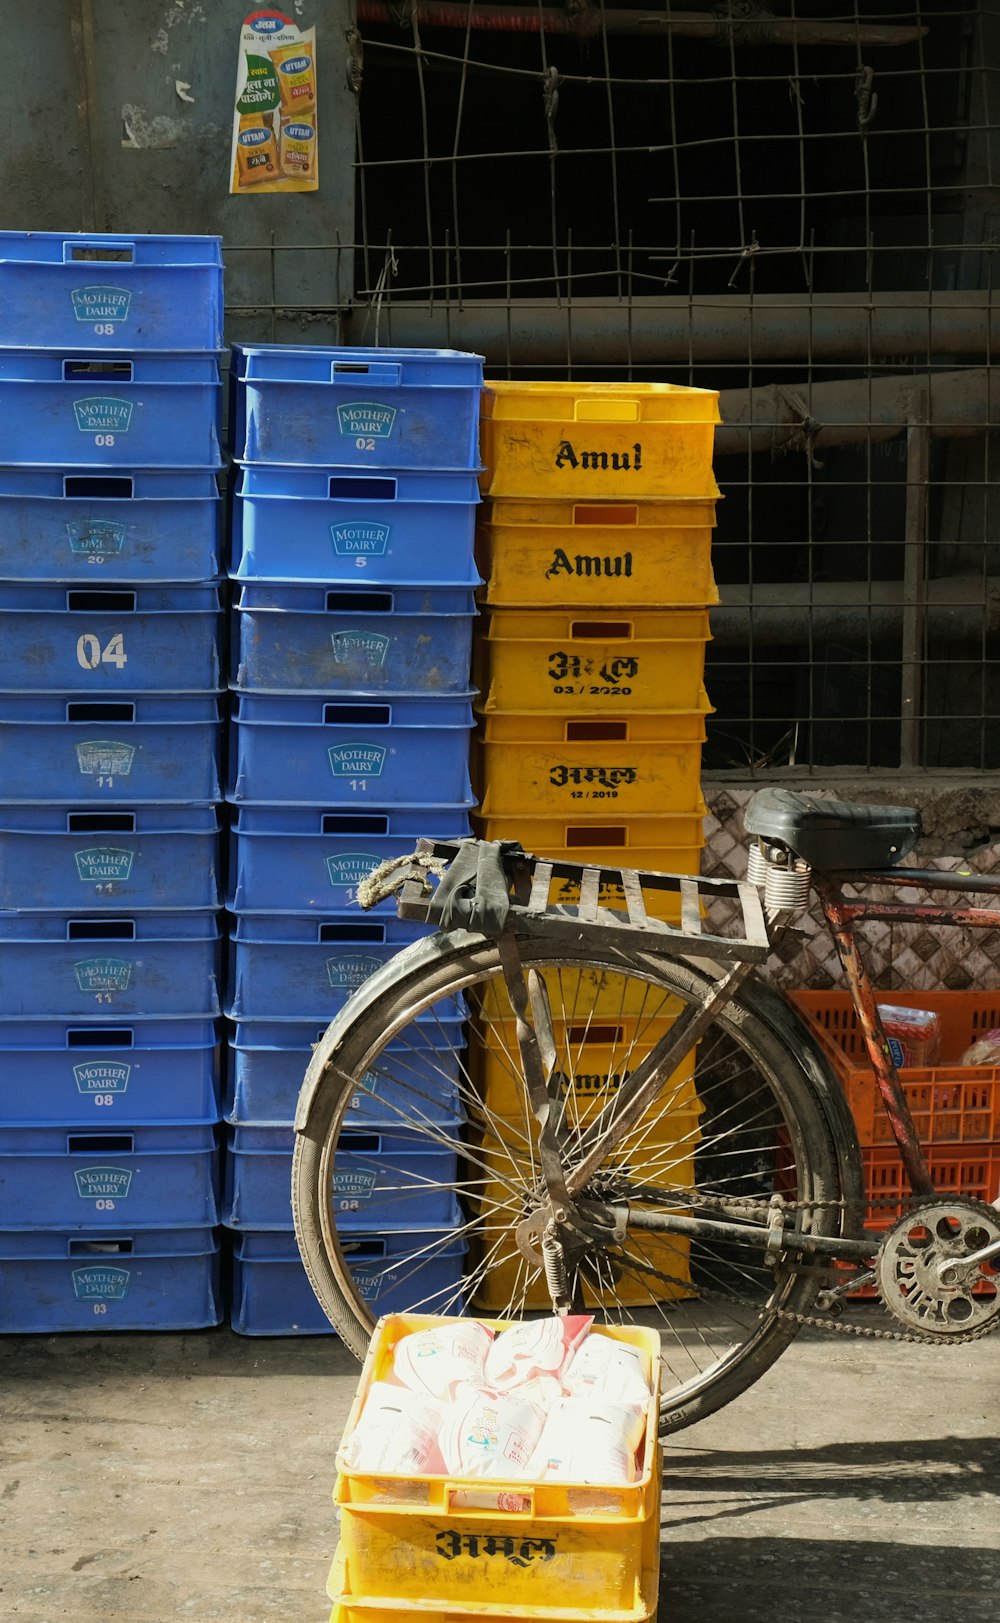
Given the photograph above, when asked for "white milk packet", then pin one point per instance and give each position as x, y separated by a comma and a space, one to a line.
489, 1434
535, 1348
439, 1360
397, 1432
589, 1440
607, 1369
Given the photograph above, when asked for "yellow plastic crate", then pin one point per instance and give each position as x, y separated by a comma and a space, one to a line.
603, 1053
507, 1274
415, 1544
554, 659
546, 764
598, 439
597, 555
623, 842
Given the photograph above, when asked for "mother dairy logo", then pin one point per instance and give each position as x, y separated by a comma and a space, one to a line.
102, 1076
100, 1284
360, 535
103, 414
352, 970
353, 1183
103, 1183
350, 867
103, 974
371, 646
101, 303
368, 418
96, 539
104, 758
358, 760
103, 862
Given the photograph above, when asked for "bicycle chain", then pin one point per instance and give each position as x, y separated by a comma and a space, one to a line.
814, 1320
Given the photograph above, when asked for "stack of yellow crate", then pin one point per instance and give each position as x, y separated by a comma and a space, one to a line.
595, 546
467, 1549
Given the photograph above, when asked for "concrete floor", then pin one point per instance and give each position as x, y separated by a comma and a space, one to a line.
147, 1478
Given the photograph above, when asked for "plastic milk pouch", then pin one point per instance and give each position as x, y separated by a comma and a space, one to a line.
275, 141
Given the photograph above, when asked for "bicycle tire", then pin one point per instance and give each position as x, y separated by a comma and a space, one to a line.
777, 1111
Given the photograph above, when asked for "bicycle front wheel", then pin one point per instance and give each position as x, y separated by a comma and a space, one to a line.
420, 1118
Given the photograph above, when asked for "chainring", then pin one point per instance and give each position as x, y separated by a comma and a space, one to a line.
936, 1233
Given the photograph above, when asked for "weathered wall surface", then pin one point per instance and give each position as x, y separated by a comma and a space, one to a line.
961, 821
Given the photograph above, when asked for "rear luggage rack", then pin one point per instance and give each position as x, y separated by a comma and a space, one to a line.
621, 902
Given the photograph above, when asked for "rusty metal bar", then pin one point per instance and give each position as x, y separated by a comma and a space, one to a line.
963, 607
81, 22
845, 327
840, 918
754, 28
914, 587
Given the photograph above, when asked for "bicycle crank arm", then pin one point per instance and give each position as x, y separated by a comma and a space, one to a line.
711, 1228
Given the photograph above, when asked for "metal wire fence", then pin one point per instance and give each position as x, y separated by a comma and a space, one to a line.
795, 205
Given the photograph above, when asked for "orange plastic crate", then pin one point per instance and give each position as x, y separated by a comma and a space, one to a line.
950, 1103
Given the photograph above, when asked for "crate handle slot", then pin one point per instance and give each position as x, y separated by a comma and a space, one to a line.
582, 836
122, 253
100, 929
360, 1143
100, 1143
90, 710
364, 1251
355, 488
610, 1036
616, 630
457, 1495
360, 715
99, 486
100, 1037
590, 410
384, 372
359, 602
100, 1248
85, 602
339, 931
334, 823
607, 732
611, 514
118, 371
100, 822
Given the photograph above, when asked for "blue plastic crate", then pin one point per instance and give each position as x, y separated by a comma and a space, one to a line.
145, 1279
52, 966
76, 525
381, 408
272, 1295
297, 859
268, 1060
110, 411
110, 639
404, 527
162, 1176
94, 1074
150, 748
111, 292
322, 639
308, 751
305, 968
376, 1183
56, 858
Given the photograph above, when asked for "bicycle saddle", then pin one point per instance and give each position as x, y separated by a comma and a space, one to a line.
833, 835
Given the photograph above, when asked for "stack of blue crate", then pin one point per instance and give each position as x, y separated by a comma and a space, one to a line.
353, 523
110, 739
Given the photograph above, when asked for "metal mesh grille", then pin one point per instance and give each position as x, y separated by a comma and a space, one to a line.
794, 205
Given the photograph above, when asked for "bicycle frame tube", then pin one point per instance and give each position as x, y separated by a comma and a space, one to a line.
842, 915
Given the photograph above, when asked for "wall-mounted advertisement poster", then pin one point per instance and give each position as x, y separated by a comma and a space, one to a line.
274, 121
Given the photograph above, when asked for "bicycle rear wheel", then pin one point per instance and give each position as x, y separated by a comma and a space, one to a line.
419, 1116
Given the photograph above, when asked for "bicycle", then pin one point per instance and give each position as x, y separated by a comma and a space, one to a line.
629, 1119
